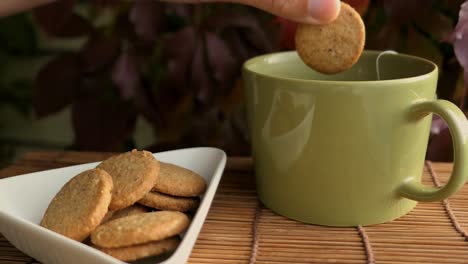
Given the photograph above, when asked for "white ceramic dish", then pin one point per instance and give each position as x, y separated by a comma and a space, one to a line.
24, 198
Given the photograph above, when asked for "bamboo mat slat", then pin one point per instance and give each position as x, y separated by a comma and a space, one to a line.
239, 229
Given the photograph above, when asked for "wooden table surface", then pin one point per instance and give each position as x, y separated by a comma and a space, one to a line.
239, 229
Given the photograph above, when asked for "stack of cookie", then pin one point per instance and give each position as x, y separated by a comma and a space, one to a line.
112, 207
177, 189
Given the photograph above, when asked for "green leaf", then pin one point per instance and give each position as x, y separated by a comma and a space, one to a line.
17, 35
17, 94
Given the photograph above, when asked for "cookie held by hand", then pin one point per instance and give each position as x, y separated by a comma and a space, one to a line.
334, 47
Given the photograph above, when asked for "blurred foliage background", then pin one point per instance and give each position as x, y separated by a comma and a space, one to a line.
112, 75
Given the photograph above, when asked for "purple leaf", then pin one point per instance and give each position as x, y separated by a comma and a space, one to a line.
238, 46
179, 103
99, 52
248, 26
435, 23
440, 147
402, 11
177, 59
125, 75
204, 127
176, 89
211, 129
58, 19
440, 143
143, 100
459, 39
438, 125
459, 35
180, 10
91, 84
200, 79
220, 59
101, 125
147, 17
243, 36
106, 3
55, 84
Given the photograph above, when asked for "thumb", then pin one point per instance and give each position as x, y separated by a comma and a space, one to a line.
304, 11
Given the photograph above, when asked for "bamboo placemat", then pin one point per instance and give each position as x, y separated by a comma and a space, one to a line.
239, 229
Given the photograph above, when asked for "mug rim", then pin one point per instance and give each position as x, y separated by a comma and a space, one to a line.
262, 58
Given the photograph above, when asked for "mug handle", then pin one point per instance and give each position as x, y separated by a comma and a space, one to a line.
458, 126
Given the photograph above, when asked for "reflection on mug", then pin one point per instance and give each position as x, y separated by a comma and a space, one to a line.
288, 126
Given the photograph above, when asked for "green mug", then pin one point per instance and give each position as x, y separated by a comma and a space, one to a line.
347, 149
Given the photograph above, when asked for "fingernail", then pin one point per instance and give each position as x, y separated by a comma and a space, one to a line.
323, 11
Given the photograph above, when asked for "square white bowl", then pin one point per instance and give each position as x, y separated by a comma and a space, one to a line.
24, 199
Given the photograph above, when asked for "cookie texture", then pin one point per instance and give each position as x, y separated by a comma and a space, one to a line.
334, 47
166, 202
80, 205
135, 252
131, 210
178, 181
139, 229
133, 173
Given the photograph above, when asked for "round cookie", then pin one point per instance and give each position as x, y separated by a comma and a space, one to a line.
150, 249
80, 205
178, 181
333, 47
133, 173
165, 202
139, 229
131, 210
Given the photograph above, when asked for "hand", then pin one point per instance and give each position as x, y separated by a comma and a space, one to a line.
10, 7
305, 11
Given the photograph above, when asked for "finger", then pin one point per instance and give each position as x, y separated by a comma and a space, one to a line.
305, 11
10, 7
